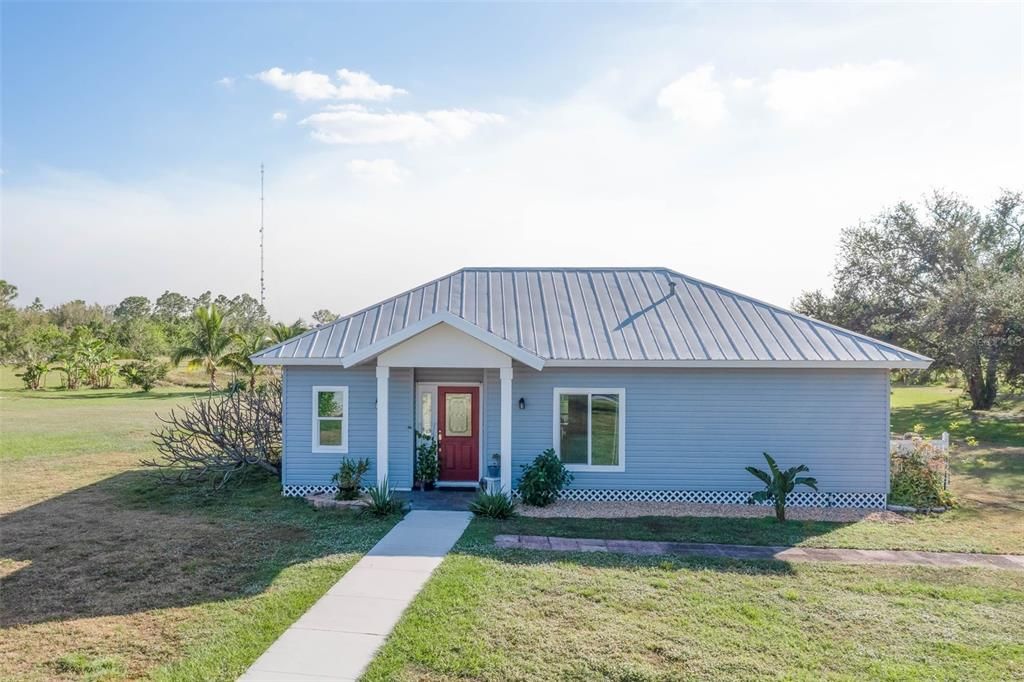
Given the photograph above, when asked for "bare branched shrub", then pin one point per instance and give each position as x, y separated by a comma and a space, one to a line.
217, 439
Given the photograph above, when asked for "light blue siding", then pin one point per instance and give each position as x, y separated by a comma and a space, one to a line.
686, 429
695, 429
305, 467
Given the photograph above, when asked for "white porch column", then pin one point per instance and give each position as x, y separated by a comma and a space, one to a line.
383, 373
506, 429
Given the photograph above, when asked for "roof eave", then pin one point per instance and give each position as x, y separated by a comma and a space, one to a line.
766, 364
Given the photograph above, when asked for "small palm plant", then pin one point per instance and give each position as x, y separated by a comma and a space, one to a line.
779, 484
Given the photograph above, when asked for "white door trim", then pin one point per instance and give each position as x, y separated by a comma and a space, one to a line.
433, 386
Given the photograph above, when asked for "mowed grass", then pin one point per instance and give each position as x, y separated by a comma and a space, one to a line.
519, 615
940, 409
106, 575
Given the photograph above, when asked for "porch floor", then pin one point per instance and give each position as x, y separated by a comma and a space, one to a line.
440, 499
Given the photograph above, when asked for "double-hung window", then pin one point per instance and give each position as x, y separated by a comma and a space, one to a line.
589, 424
330, 419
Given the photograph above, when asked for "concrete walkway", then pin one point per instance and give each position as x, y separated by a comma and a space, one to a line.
338, 637
843, 556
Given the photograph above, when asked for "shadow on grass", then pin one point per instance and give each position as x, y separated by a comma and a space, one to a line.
723, 530
530, 557
478, 540
1001, 468
127, 544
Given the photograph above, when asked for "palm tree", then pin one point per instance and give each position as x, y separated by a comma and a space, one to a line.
246, 345
281, 332
209, 345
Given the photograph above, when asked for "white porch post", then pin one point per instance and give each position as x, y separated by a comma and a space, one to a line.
506, 429
382, 422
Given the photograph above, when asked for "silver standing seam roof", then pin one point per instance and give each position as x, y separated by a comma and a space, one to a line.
597, 316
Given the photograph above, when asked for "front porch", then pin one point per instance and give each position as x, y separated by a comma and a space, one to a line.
460, 390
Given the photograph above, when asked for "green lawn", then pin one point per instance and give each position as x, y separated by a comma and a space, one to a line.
946, 409
489, 614
106, 575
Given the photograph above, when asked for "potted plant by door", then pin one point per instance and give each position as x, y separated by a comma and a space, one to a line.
426, 460
494, 468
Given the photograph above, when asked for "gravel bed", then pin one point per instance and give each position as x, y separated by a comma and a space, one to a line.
613, 510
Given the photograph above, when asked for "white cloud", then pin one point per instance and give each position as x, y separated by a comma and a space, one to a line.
695, 99
359, 85
226, 82
354, 124
279, 116
377, 171
803, 96
309, 85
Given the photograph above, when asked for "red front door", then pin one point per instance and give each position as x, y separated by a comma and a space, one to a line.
458, 426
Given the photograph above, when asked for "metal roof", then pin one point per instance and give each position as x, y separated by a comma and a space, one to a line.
591, 316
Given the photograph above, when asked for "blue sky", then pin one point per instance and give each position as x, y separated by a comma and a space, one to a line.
732, 142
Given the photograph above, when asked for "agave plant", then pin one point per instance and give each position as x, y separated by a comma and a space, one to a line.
779, 484
383, 502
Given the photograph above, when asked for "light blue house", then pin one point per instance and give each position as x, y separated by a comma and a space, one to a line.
649, 384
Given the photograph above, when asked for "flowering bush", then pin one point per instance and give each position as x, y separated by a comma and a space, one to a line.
918, 478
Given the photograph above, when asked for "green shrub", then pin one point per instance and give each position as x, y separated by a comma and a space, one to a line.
350, 475
143, 375
383, 502
779, 484
916, 480
543, 478
34, 375
497, 505
426, 458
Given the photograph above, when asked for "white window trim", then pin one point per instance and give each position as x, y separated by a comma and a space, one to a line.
556, 428
315, 434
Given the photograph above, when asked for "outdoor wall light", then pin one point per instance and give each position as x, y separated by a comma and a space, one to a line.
522, 403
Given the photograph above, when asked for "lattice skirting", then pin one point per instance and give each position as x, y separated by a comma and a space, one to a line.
796, 499
303, 490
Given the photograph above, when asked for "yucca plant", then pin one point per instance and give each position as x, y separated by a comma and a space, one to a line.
383, 502
498, 505
779, 484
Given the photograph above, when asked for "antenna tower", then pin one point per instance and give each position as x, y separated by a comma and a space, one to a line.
263, 301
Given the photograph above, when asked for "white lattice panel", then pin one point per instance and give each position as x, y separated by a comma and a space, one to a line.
303, 490
796, 499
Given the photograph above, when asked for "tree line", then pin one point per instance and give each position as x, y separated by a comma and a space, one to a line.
90, 344
943, 278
